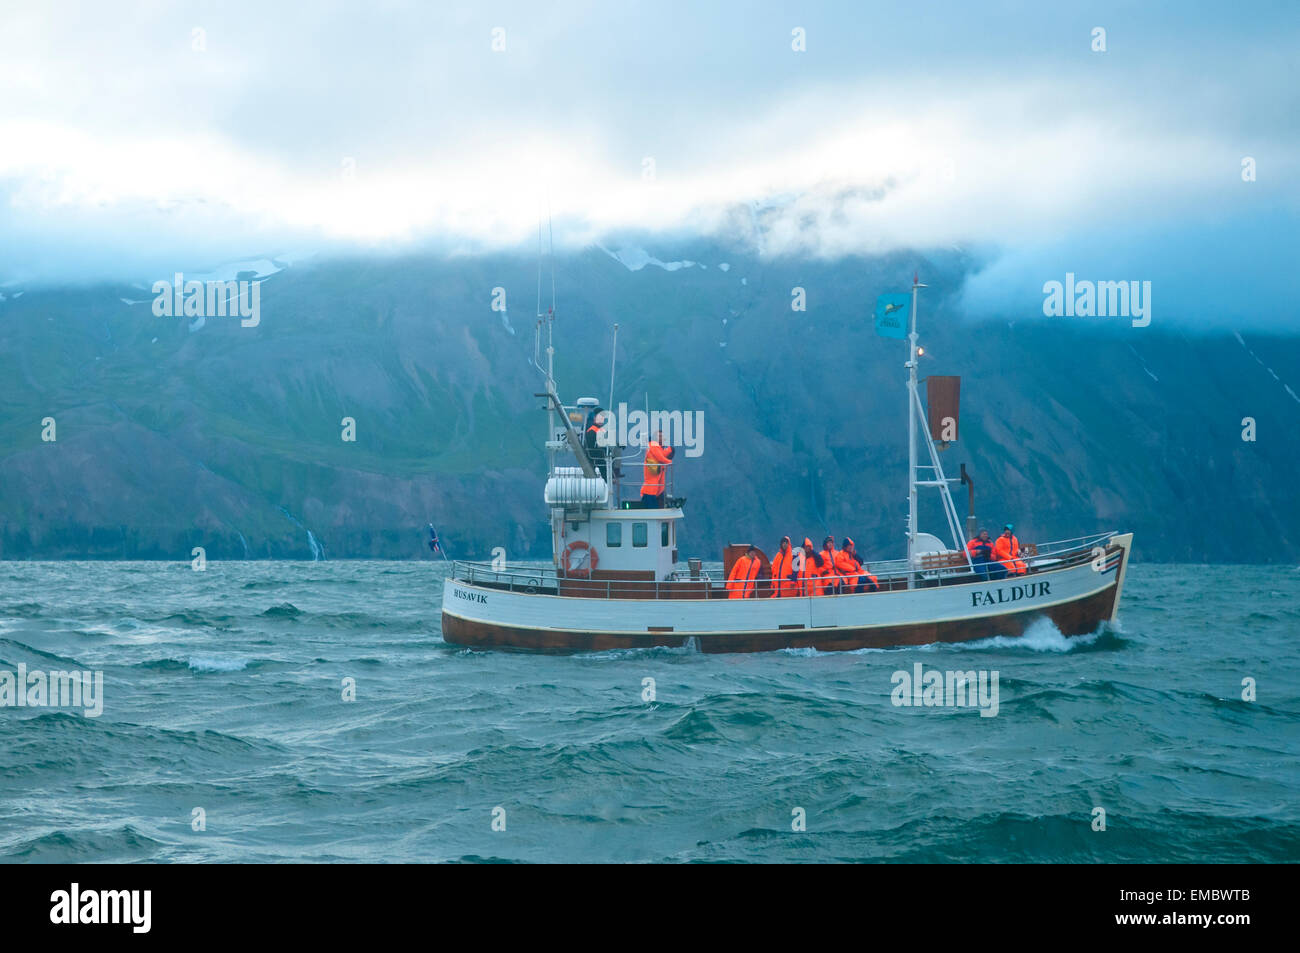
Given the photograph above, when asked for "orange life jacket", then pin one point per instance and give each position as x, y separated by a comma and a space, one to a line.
1005, 551
819, 574
740, 584
847, 567
782, 566
980, 550
810, 576
830, 576
656, 458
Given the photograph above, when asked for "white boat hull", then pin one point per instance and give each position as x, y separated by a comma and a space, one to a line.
1077, 599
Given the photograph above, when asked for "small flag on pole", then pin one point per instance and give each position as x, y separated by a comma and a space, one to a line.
433, 540
891, 315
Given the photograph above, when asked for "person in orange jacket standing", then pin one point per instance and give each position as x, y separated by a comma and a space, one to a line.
783, 575
657, 458
742, 583
595, 424
1006, 550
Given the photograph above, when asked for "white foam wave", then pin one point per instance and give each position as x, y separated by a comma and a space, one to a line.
209, 663
1041, 636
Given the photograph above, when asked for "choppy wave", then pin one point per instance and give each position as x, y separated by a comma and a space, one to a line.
62, 846
196, 663
197, 618
16, 649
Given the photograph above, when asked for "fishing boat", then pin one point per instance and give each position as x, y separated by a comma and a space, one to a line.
616, 582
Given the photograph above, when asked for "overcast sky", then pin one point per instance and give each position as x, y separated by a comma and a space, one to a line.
137, 139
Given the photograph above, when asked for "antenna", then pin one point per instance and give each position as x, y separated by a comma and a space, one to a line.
613, 356
551, 236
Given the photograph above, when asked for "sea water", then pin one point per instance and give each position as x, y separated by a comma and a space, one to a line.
310, 711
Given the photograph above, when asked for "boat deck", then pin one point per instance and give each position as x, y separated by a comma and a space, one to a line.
941, 570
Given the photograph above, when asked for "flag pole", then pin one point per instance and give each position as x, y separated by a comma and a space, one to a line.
435, 542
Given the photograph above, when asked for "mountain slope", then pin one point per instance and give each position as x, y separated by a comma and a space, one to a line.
229, 437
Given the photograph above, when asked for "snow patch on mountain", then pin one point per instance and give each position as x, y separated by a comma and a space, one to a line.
634, 259
229, 271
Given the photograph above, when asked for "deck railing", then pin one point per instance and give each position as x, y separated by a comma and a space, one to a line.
626, 473
681, 584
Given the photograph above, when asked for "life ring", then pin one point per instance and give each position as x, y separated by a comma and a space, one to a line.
581, 572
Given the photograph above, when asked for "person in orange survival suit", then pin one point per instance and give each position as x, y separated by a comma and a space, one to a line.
831, 579
591, 439
784, 582
811, 573
1006, 550
742, 582
856, 576
981, 557
657, 457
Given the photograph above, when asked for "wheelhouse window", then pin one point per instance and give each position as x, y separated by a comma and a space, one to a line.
640, 534
613, 535
663, 534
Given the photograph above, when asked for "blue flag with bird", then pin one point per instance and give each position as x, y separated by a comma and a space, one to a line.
891, 315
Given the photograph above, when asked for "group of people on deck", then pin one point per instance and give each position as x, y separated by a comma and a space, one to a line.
997, 559
830, 571
805, 571
802, 572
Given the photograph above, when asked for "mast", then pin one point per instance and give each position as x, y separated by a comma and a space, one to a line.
550, 373
915, 418
545, 320
554, 406
912, 403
